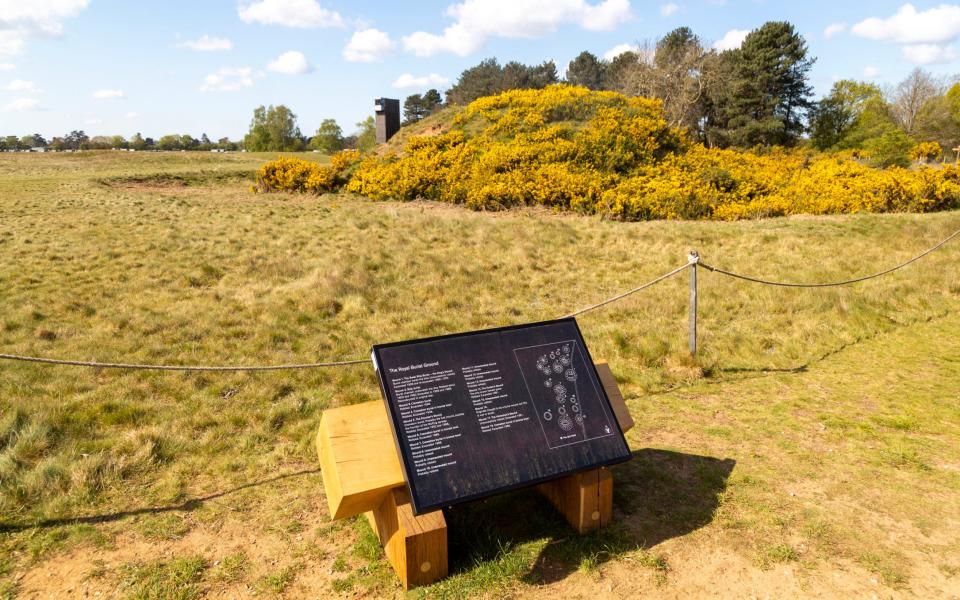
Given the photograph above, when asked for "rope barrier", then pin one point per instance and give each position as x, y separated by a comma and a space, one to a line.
831, 283
101, 365
693, 261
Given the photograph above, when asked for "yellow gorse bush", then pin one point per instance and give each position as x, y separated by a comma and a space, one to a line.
601, 152
926, 151
287, 174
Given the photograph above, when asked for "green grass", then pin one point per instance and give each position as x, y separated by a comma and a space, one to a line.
176, 579
812, 424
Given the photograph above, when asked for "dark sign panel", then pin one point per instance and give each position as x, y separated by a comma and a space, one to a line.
488, 411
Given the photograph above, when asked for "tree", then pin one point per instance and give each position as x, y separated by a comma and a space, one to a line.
413, 109
328, 138
768, 96
76, 140
876, 131
11, 143
188, 142
432, 100
118, 142
169, 143
273, 129
832, 117
367, 135
615, 73
910, 95
26, 142
586, 70
57, 144
205, 143
137, 142
482, 80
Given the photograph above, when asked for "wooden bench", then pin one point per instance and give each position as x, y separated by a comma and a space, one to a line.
362, 474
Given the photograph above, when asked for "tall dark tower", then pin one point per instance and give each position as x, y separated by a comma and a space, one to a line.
388, 118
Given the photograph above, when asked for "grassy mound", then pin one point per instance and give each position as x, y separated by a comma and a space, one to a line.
602, 152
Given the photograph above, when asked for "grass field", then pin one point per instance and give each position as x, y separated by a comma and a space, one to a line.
812, 448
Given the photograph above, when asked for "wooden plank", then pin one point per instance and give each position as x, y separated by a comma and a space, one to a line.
616, 398
584, 499
358, 456
416, 546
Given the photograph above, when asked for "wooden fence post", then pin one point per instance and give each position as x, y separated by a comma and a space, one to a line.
693, 258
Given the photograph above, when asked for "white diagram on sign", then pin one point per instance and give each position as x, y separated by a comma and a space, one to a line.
567, 415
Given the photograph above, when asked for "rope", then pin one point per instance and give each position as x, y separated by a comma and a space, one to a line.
101, 365
629, 292
831, 283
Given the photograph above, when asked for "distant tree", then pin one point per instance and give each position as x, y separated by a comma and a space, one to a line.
11, 143
137, 142
586, 70
908, 98
936, 123
57, 144
832, 117
273, 129
119, 142
432, 100
26, 142
76, 140
768, 96
169, 142
616, 71
876, 131
328, 138
205, 143
224, 143
37, 141
188, 142
413, 109
483, 79
366, 135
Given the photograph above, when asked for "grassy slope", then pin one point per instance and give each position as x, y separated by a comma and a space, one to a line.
835, 409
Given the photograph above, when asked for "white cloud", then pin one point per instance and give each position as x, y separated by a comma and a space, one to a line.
228, 79
928, 54
870, 72
107, 94
20, 20
290, 63
409, 81
93, 121
22, 104
907, 26
834, 29
205, 43
731, 39
289, 13
7, 66
368, 45
619, 49
132, 115
19, 85
668, 9
475, 21
924, 36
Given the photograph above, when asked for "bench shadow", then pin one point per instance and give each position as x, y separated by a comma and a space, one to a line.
658, 495
187, 505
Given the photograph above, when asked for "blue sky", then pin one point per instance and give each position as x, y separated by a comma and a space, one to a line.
121, 66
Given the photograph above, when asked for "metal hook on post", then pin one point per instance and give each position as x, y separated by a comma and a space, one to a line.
693, 258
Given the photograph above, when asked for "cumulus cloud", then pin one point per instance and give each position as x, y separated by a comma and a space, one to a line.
731, 40
132, 115
368, 45
409, 81
475, 21
928, 54
870, 72
834, 29
924, 36
92, 121
228, 79
21, 105
20, 20
107, 94
19, 85
205, 43
7, 66
668, 9
289, 13
290, 63
619, 49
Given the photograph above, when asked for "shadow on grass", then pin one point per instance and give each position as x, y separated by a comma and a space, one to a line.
185, 506
658, 495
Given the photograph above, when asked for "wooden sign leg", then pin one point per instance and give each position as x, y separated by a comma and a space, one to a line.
584, 499
416, 546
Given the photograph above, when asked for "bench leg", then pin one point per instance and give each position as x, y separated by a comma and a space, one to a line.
416, 546
584, 499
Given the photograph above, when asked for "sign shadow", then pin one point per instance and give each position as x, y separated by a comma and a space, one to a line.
658, 495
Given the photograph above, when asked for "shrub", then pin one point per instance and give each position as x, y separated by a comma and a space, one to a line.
286, 174
926, 151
